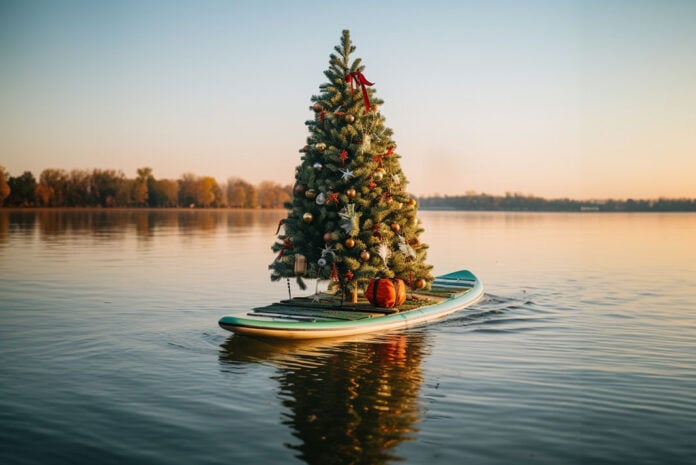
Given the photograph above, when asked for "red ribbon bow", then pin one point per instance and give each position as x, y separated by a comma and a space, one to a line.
288, 246
359, 78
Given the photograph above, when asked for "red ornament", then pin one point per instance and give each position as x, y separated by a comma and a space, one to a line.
386, 293
349, 275
344, 155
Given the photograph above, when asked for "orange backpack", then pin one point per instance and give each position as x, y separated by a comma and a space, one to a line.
386, 293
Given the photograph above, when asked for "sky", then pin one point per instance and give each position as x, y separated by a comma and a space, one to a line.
559, 98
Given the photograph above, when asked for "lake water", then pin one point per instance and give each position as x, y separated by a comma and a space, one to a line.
582, 352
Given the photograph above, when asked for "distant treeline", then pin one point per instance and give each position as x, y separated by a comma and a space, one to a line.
518, 202
111, 188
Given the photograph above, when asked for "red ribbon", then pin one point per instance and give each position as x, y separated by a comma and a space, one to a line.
359, 78
280, 223
288, 246
322, 114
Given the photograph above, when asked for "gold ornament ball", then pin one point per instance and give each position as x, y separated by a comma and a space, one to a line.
307, 217
396, 227
317, 107
378, 175
329, 237
420, 283
364, 255
350, 243
350, 119
351, 193
310, 194
412, 202
320, 146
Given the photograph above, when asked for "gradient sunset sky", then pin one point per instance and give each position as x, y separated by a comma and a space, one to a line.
580, 99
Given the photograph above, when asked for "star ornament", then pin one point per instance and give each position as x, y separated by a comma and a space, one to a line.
328, 251
346, 174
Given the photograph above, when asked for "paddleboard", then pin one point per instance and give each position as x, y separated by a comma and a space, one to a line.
324, 315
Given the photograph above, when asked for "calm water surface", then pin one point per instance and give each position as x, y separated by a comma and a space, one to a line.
583, 351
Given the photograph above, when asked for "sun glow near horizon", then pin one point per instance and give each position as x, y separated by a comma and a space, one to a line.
573, 100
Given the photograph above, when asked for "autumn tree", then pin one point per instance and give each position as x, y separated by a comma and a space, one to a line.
4, 186
51, 188
273, 195
163, 193
22, 190
241, 194
141, 186
200, 191
206, 191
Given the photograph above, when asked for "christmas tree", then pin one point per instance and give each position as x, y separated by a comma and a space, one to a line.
351, 218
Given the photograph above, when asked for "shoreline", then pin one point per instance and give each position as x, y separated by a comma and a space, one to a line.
232, 209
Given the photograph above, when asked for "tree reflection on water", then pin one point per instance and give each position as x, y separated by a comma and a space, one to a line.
107, 224
347, 402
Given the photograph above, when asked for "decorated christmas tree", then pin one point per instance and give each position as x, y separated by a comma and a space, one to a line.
351, 219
